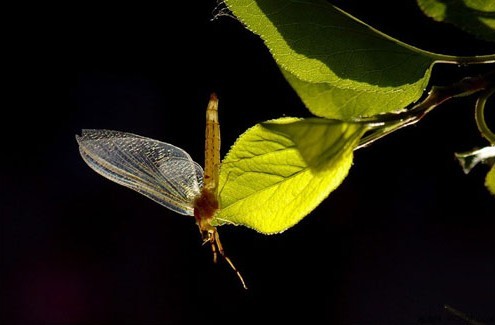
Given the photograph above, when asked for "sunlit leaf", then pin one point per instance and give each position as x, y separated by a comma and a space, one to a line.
490, 180
474, 16
326, 100
339, 66
279, 171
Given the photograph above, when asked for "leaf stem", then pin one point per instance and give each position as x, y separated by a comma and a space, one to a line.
480, 116
462, 315
464, 60
387, 123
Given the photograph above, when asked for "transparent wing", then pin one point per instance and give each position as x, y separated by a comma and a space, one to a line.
158, 170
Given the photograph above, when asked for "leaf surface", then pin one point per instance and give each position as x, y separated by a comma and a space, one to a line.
473, 16
279, 171
490, 180
340, 67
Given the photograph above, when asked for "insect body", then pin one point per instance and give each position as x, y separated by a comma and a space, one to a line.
164, 172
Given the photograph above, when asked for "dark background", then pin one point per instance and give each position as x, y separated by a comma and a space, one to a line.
406, 233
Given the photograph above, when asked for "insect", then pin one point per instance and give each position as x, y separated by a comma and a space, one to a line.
164, 172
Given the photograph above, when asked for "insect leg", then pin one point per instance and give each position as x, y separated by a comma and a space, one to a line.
227, 259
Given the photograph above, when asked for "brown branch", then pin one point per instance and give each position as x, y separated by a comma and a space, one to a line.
388, 123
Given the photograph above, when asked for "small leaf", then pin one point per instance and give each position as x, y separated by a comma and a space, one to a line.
470, 159
490, 180
279, 171
339, 66
474, 16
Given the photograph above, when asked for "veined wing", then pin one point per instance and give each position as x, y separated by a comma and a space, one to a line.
158, 170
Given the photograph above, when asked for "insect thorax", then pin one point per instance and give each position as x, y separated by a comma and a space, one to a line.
205, 207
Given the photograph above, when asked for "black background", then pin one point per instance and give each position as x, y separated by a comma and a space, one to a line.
406, 233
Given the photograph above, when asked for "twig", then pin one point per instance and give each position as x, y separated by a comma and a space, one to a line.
387, 123
462, 315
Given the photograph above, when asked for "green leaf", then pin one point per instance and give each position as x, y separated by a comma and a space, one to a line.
332, 102
340, 67
474, 16
490, 180
279, 171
